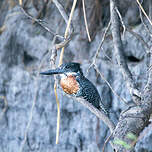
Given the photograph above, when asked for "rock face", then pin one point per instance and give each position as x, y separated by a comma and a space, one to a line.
22, 47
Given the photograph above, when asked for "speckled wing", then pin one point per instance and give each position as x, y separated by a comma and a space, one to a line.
89, 92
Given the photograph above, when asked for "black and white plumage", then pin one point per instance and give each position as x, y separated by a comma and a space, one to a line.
89, 92
75, 83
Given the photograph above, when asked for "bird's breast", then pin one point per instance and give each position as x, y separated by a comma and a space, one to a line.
69, 85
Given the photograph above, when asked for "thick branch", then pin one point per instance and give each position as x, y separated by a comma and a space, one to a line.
132, 121
118, 51
97, 112
135, 119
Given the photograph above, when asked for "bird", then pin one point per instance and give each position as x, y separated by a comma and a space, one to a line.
73, 82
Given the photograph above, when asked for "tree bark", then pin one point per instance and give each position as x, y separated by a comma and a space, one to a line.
134, 119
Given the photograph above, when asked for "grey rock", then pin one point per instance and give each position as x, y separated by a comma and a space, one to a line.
22, 47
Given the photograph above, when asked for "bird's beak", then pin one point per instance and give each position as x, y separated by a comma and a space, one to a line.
54, 71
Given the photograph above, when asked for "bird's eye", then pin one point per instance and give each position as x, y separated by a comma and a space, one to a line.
67, 67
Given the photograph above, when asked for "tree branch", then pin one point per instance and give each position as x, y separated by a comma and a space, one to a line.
63, 14
118, 51
97, 112
139, 37
85, 21
142, 9
40, 22
99, 47
102, 76
134, 119
145, 25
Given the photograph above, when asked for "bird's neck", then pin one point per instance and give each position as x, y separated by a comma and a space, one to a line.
65, 75
74, 74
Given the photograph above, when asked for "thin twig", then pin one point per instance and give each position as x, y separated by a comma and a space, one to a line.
38, 21
62, 44
99, 47
63, 14
123, 25
52, 64
139, 37
53, 59
85, 20
58, 113
42, 11
101, 43
20, 2
142, 9
129, 30
145, 25
54, 54
102, 76
67, 29
103, 51
2, 29
5, 106
105, 143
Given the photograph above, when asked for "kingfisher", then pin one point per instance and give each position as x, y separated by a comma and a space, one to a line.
73, 82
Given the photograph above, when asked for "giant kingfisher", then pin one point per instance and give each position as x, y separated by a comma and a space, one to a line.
73, 82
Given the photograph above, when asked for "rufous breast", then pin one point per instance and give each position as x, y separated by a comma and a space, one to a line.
69, 85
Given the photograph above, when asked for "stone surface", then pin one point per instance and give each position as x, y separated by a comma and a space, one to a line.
22, 47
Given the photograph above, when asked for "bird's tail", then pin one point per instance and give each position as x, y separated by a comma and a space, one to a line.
104, 109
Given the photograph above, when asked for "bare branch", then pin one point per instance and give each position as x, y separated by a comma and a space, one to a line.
118, 47
53, 59
121, 99
135, 118
63, 13
40, 22
107, 140
52, 63
145, 25
139, 37
123, 24
54, 53
97, 112
62, 44
99, 47
66, 34
2, 29
41, 12
20, 2
101, 115
85, 20
142, 9
132, 32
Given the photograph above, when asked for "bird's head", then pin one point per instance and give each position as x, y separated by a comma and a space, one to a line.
71, 68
